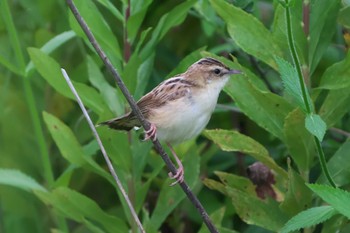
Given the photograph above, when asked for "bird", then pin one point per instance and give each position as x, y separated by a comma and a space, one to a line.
180, 107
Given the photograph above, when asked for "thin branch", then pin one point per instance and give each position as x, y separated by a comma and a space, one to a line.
145, 124
104, 153
340, 131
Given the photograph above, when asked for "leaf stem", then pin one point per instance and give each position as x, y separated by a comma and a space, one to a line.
297, 65
48, 174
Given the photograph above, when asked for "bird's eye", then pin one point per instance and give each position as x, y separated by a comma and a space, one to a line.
217, 71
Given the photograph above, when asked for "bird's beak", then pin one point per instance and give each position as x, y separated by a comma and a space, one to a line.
234, 72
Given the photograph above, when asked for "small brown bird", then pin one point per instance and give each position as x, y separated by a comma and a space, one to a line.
179, 108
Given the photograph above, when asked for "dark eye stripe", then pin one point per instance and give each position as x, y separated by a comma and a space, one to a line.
211, 61
172, 81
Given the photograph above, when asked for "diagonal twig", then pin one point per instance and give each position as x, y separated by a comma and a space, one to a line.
145, 124
104, 153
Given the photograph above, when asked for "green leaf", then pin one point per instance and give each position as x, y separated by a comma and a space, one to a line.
171, 19
309, 218
52, 45
252, 210
100, 29
316, 126
298, 196
339, 165
237, 182
323, 19
299, 141
51, 72
264, 108
279, 29
112, 9
80, 208
20, 180
234, 141
335, 106
337, 76
138, 13
343, 17
291, 83
217, 217
111, 96
143, 75
70, 147
339, 199
258, 42
169, 198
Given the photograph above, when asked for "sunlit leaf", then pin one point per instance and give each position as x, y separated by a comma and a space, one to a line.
309, 218
234, 141
258, 42
20, 180
338, 198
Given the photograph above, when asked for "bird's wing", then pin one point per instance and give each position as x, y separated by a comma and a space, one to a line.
169, 90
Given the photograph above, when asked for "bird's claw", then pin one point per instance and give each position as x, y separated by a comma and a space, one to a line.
151, 133
179, 176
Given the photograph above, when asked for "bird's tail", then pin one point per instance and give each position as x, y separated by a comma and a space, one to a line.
125, 122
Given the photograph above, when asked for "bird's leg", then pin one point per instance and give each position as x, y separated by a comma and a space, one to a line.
151, 133
179, 176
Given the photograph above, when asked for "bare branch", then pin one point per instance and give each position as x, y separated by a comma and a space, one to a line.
145, 124
104, 153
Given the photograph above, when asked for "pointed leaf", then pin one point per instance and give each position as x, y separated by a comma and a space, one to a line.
299, 141
298, 196
291, 82
339, 165
339, 199
323, 17
264, 108
309, 218
234, 141
111, 96
51, 72
316, 126
337, 76
99, 27
252, 210
335, 106
80, 208
258, 42
70, 147
20, 180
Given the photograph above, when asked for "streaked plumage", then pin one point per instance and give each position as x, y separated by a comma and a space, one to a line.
180, 107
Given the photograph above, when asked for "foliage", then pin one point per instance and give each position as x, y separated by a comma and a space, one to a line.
286, 108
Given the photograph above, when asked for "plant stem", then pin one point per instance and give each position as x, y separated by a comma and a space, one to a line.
34, 114
323, 162
304, 90
48, 174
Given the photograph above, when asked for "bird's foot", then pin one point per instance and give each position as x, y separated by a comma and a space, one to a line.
151, 133
179, 175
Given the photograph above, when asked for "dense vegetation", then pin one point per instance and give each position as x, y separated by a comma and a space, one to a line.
275, 155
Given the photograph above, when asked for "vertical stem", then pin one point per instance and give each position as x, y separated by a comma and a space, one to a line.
34, 114
127, 46
304, 91
324, 163
296, 58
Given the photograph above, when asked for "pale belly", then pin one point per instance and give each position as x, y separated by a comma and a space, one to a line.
177, 122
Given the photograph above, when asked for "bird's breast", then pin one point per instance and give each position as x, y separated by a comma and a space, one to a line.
185, 118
